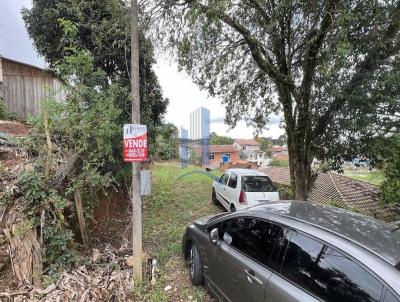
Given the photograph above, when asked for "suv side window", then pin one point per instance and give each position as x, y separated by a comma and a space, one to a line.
327, 273
389, 297
256, 238
233, 181
224, 178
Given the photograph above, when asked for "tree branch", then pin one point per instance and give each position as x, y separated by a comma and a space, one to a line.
314, 41
372, 60
260, 56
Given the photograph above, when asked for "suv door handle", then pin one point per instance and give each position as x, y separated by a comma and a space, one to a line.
251, 277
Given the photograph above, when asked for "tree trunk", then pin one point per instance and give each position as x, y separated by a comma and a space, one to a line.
81, 218
48, 141
299, 166
291, 154
301, 181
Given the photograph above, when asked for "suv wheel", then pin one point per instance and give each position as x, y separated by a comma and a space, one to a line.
196, 270
214, 197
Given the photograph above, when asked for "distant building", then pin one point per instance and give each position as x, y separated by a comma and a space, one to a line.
200, 124
23, 87
250, 149
219, 154
183, 147
200, 131
280, 152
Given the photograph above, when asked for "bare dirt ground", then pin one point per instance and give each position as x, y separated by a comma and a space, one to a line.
14, 128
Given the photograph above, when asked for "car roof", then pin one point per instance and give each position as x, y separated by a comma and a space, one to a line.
366, 232
246, 172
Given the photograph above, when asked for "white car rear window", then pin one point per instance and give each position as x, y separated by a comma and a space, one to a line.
257, 184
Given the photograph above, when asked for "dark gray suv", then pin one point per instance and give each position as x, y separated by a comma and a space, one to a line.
294, 251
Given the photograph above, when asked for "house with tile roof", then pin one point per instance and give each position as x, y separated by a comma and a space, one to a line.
250, 150
334, 189
218, 154
280, 152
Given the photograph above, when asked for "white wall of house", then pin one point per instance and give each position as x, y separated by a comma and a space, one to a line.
252, 153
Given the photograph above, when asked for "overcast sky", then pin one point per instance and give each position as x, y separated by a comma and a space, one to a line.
184, 95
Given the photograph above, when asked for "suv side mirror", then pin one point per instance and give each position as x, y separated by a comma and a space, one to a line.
214, 236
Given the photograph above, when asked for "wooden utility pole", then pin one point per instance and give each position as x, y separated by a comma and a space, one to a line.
136, 198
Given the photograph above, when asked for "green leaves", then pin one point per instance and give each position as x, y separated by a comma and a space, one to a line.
391, 169
34, 189
215, 139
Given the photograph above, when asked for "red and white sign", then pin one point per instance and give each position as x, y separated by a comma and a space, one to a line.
135, 143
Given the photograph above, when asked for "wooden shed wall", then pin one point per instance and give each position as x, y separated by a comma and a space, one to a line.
25, 87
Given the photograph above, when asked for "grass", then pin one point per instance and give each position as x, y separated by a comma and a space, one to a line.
179, 196
279, 163
374, 177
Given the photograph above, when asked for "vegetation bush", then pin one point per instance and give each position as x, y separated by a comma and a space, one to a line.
46, 208
285, 192
76, 147
279, 163
167, 142
4, 115
3, 112
391, 170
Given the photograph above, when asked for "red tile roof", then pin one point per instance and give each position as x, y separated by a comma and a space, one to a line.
329, 188
279, 175
279, 148
281, 156
248, 142
221, 149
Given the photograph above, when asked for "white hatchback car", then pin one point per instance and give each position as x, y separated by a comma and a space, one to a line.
240, 188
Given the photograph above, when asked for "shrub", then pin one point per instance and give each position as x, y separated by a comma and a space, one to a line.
391, 171
3, 112
279, 163
60, 253
33, 188
4, 115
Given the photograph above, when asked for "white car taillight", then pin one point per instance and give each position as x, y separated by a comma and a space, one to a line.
242, 198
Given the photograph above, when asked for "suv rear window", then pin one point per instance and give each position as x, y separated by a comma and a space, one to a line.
257, 184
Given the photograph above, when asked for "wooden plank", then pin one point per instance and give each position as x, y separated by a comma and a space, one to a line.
25, 87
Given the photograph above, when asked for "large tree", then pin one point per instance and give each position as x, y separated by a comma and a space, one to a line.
104, 32
330, 66
216, 139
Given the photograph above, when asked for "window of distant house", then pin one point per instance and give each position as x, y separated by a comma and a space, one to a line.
210, 156
244, 148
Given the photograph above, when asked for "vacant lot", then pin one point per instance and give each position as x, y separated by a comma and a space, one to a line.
179, 196
374, 177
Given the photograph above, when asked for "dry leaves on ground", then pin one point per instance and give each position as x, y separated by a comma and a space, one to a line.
107, 277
